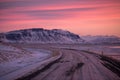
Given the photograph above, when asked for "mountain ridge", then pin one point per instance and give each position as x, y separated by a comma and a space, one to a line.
102, 39
40, 35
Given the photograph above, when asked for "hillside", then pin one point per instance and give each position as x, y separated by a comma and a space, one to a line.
39, 35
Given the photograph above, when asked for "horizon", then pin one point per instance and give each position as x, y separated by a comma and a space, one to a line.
58, 29
82, 17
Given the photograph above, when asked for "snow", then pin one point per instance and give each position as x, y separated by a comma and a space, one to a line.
101, 39
92, 69
107, 50
41, 36
29, 63
60, 31
8, 48
38, 56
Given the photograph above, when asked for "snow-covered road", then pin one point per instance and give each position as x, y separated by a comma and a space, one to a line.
74, 65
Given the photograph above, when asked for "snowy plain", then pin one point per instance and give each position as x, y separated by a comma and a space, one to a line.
36, 56
16, 64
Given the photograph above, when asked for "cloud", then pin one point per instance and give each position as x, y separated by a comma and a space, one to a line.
7, 4
59, 13
43, 14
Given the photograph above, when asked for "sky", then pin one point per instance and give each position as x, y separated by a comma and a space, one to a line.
83, 17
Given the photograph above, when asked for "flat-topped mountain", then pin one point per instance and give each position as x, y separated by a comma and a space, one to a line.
40, 35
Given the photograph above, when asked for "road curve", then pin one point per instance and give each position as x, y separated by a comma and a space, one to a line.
74, 65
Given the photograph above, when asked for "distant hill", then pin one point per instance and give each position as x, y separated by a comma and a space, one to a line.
40, 35
102, 39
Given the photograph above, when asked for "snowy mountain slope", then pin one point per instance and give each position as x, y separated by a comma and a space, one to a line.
102, 39
39, 35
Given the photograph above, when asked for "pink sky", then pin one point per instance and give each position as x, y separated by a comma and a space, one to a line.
84, 17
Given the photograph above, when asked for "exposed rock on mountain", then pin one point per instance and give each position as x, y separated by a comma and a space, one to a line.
39, 35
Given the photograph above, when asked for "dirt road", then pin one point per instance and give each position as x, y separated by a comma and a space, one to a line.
74, 65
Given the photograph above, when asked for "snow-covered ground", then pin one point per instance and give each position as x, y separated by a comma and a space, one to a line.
18, 63
8, 48
108, 50
8, 67
9, 52
37, 55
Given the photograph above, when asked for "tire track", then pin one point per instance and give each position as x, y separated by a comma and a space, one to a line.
74, 65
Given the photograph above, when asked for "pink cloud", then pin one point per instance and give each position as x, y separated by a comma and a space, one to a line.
87, 17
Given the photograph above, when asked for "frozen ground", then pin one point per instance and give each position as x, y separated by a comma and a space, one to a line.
72, 64
110, 51
15, 64
8, 67
107, 50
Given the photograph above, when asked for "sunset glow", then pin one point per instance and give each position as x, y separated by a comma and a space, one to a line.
84, 17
